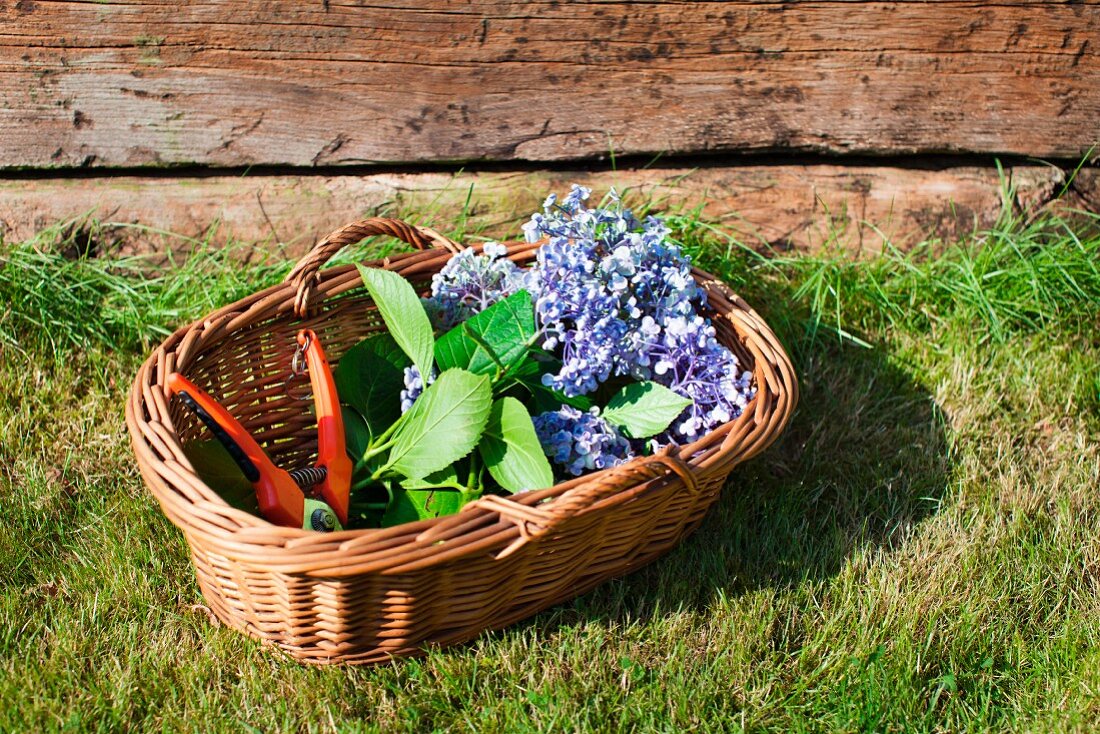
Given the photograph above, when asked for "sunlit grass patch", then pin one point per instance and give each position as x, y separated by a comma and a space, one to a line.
917, 553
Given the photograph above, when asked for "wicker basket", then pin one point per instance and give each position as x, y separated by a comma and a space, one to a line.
363, 596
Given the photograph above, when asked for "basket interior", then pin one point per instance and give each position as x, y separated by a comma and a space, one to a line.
247, 370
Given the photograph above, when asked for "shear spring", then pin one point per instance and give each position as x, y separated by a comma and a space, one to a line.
309, 476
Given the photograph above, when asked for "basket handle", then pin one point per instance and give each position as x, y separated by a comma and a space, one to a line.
542, 519
642, 469
305, 274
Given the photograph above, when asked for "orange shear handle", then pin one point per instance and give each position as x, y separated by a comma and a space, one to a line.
280, 500
332, 455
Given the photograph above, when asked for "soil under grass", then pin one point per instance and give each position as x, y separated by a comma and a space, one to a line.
917, 553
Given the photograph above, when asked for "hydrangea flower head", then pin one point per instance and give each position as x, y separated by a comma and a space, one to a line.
471, 282
580, 442
616, 297
602, 273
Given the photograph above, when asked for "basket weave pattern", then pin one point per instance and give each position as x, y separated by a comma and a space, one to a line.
363, 596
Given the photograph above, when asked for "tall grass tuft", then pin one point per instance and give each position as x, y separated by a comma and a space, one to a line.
1016, 277
59, 303
54, 300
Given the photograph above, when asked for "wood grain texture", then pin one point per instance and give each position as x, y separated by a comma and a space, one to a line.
765, 206
331, 82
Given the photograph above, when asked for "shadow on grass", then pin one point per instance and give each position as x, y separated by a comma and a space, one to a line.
865, 457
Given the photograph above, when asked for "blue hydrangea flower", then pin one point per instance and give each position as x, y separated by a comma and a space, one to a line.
470, 283
616, 297
613, 297
580, 442
687, 358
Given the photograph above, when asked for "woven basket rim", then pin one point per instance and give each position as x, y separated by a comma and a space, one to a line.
200, 511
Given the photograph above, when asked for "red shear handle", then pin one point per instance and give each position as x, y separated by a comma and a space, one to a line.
331, 452
281, 502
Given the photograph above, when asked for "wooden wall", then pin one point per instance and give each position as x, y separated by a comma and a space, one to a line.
293, 86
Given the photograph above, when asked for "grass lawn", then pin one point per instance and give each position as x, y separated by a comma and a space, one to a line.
919, 552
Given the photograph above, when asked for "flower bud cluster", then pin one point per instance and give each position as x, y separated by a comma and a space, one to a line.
414, 386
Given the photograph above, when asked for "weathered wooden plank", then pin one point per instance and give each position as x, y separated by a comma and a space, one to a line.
765, 206
1084, 191
127, 83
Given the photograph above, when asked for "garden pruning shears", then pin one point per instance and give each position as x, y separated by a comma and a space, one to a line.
282, 495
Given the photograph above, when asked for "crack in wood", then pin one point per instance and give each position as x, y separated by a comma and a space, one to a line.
237, 132
329, 148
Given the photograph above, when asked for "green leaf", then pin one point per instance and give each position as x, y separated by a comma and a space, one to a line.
531, 368
446, 478
511, 449
370, 378
366, 505
643, 409
403, 313
357, 441
547, 398
444, 424
217, 469
356, 433
504, 331
410, 505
